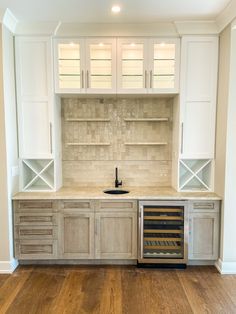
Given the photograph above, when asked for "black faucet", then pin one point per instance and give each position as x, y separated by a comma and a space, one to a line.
117, 182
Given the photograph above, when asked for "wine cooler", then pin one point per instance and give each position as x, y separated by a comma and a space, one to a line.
163, 232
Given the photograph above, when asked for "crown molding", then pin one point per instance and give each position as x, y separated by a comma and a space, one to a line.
8, 19
117, 29
226, 16
37, 28
196, 27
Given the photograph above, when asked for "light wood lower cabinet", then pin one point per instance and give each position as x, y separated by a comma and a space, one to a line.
76, 235
204, 231
116, 235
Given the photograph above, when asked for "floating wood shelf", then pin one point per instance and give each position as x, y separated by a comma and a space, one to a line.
147, 144
88, 120
88, 144
147, 120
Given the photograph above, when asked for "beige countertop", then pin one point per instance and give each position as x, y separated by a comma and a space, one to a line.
137, 193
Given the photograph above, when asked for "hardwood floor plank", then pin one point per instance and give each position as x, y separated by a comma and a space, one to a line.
201, 285
3, 279
38, 291
153, 291
11, 287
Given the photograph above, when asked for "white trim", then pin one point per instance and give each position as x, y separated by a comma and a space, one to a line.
226, 267
196, 27
8, 19
37, 28
8, 267
226, 16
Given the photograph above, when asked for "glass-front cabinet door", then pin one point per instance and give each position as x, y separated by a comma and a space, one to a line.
164, 65
101, 65
69, 66
132, 61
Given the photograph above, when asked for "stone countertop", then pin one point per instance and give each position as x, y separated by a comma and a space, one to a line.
136, 193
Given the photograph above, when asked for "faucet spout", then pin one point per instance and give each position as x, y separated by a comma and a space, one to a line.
117, 182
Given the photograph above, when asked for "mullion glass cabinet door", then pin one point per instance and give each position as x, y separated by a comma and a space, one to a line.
164, 68
69, 68
101, 65
132, 73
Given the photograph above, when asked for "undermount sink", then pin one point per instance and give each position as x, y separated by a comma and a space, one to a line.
116, 191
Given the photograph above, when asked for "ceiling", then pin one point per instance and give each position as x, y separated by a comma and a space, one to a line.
99, 11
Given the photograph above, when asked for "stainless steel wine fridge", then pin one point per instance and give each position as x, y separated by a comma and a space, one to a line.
163, 230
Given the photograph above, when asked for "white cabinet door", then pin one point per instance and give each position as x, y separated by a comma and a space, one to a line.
77, 234
163, 59
100, 65
116, 235
69, 65
34, 96
132, 65
199, 59
203, 236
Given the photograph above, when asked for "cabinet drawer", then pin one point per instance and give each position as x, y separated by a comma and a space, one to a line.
36, 249
34, 204
118, 205
204, 206
47, 219
81, 204
35, 232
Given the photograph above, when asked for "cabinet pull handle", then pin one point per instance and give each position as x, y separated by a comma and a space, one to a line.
82, 78
87, 79
182, 138
145, 79
151, 79
50, 135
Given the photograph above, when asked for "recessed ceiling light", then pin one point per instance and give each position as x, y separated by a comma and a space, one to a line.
100, 45
115, 9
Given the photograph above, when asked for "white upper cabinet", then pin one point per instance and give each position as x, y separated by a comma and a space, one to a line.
100, 65
164, 65
85, 65
109, 65
34, 96
147, 66
132, 65
199, 61
69, 66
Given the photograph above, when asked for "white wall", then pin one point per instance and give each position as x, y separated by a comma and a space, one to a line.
226, 149
8, 148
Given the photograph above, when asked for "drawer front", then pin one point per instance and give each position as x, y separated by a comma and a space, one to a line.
35, 232
82, 205
43, 219
118, 205
211, 206
35, 249
34, 204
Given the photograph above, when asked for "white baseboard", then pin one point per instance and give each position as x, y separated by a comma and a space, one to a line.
8, 267
226, 267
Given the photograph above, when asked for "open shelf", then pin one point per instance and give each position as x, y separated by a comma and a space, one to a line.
195, 174
38, 174
146, 120
87, 120
88, 144
147, 144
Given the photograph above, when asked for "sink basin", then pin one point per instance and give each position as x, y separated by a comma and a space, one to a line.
116, 191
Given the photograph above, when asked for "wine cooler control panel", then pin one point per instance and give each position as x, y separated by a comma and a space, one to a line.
163, 232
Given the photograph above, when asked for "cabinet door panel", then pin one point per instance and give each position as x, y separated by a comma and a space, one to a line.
198, 132
69, 58
116, 235
101, 65
164, 65
203, 236
199, 62
132, 61
77, 235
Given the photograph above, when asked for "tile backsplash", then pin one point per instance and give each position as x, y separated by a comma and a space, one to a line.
100, 134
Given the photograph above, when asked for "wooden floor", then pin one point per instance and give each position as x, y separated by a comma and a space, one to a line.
121, 289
